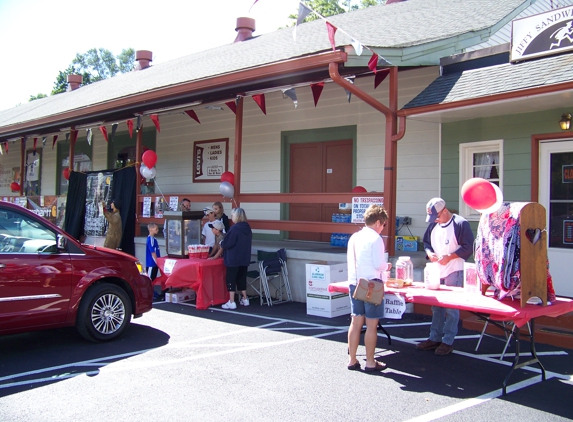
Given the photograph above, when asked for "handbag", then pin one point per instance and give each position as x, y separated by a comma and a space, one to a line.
371, 291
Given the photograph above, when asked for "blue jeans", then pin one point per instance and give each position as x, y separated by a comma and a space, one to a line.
445, 320
361, 308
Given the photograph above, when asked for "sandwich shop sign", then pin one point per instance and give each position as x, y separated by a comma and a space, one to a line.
542, 35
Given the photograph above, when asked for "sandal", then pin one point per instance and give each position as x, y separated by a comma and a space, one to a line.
380, 366
355, 366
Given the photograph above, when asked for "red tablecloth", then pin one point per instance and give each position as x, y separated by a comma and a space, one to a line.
458, 298
205, 276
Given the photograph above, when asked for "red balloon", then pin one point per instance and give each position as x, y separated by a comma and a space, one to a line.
66, 173
359, 189
15, 187
478, 193
149, 158
228, 177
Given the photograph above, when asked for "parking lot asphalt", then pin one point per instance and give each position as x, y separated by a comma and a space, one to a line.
178, 363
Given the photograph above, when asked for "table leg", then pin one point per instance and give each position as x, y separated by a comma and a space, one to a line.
381, 327
516, 364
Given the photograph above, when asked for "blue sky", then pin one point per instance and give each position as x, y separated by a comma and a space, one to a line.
40, 38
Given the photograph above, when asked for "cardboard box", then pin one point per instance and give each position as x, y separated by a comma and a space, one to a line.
406, 243
184, 295
319, 301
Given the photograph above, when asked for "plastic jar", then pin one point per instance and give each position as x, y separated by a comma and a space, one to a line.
405, 269
432, 276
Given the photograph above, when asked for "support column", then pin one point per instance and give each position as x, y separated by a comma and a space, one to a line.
391, 161
72, 151
238, 150
22, 165
138, 154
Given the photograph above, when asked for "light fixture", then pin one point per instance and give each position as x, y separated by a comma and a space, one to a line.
565, 121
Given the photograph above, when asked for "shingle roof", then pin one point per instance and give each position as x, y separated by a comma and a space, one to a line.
399, 25
477, 83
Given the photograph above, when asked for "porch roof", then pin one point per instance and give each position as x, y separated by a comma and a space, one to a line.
406, 29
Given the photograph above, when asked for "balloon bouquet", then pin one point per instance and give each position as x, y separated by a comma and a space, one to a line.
147, 169
227, 186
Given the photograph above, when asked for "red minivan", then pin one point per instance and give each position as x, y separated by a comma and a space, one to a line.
48, 280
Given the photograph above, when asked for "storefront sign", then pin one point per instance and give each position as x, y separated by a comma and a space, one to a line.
210, 160
567, 174
541, 35
360, 204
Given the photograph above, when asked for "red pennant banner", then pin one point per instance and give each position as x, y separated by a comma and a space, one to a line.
54, 141
155, 119
373, 62
6, 145
260, 100
35, 142
380, 76
104, 132
331, 31
232, 106
193, 115
130, 127
316, 91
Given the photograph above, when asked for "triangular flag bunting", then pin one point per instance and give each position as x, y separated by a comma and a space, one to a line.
103, 130
260, 100
232, 106
130, 127
316, 91
357, 47
44, 141
54, 139
331, 31
373, 62
155, 119
291, 93
303, 12
6, 145
89, 135
35, 143
67, 137
380, 76
192, 114
350, 79
139, 122
113, 129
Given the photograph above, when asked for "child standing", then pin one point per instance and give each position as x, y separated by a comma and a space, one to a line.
218, 228
151, 254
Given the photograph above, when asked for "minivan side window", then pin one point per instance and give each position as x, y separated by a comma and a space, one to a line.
21, 234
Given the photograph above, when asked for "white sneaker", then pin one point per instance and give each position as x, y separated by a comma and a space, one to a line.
229, 305
245, 302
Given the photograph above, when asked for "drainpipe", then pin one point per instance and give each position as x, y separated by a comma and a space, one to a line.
238, 149
391, 137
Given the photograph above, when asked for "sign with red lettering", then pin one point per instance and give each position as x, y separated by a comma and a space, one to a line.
210, 160
567, 173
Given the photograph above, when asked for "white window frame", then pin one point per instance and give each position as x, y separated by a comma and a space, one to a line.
467, 152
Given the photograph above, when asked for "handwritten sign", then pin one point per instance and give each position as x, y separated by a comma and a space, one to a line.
210, 159
146, 206
169, 265
360, 204
394, 306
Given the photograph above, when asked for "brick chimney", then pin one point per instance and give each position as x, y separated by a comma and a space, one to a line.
245, 28
74, 82
143, 57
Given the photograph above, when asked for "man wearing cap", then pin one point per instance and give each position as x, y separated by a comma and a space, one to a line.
208, 236
448, 240
218, 229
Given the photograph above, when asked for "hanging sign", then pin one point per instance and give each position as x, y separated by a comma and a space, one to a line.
394, 306
360, 204
210, 160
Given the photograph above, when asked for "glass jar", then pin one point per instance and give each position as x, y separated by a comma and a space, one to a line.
405, 269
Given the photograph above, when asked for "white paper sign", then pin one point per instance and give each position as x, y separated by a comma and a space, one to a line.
360, 204
173, 203
146, 206
169, 265
394, 306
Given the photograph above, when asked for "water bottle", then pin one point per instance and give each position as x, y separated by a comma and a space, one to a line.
405, 269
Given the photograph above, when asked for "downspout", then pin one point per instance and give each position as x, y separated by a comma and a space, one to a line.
238, 150
390, 150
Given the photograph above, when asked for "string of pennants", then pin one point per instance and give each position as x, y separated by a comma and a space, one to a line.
316, 88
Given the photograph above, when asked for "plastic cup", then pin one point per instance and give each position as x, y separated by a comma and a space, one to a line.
205, 252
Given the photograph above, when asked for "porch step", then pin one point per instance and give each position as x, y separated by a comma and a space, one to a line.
553, 331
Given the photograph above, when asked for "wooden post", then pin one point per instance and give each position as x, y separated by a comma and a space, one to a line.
138, 154
238, 148
22, 165
72, 151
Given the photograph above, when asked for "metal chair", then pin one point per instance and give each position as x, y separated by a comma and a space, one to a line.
508, 330
275, 277
254, 279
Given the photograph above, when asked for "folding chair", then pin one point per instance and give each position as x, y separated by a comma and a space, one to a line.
254, 279
274, 274
507, 329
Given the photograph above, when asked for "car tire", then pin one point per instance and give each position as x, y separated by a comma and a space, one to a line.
104, 313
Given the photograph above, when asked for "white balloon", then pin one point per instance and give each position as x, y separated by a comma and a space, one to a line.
142, 169
152, 173
227, 190
147, 172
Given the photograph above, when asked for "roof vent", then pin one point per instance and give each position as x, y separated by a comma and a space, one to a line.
245, 28
74, 82
143, 57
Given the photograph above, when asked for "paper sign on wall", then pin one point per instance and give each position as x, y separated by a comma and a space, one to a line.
360, 204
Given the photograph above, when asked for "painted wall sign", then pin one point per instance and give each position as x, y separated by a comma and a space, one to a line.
541, 35
210, 159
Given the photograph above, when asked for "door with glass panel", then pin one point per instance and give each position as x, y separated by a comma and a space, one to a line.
556, 195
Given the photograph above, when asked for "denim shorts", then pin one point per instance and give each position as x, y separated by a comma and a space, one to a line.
361, 308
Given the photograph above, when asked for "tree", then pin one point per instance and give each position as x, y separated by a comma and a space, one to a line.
95, 65
335, 7
37, 97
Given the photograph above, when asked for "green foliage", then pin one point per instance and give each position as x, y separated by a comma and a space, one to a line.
37, 97
95, 65
335, 7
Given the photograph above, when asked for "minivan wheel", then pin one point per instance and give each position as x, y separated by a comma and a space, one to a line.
104, 313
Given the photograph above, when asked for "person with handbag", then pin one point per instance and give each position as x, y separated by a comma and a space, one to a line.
367, 271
